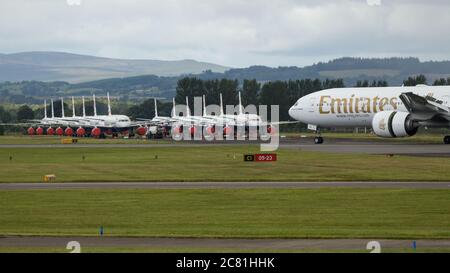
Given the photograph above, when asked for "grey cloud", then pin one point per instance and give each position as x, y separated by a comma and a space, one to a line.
233, 33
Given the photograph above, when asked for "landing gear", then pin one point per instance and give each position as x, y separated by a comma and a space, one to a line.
318, 140
447, 140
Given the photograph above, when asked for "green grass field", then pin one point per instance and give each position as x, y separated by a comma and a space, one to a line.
211, 163
419, 138
422, 138
24, 139
223, 213
208, 250
249, 213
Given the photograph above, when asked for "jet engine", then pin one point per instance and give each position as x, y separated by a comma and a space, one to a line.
81, 132
227, 130
59, 131
142, 131
211, 129
68, 131
393, 124
193, 130
178, 129
96, 132
39, 131
31, 131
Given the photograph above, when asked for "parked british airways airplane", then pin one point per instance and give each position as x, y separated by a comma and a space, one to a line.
390, 111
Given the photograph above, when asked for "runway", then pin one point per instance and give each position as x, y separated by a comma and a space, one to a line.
376, 148
206, 243
222, 185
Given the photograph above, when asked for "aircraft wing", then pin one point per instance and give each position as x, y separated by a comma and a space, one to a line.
27, 124
280, 122
21, 124
424, 108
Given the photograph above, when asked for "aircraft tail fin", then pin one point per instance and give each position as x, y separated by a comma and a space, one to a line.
109, 104
73, 107
204, 105
173, 108
95, 106
84, 107
221, 105
188, 110
53, 110
45, 109
241, 111
156, 108
62, 108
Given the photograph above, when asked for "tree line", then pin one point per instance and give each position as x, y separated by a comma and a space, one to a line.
282, 93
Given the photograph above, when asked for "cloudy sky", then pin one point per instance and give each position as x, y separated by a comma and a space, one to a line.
235, 33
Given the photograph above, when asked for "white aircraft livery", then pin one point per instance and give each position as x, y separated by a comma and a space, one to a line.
390, 111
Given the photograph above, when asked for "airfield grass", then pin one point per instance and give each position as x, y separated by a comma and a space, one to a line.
422, 137
211, 163
229, 213
62, 249
50, 140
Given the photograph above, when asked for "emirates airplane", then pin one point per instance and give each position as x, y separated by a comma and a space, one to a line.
390, 111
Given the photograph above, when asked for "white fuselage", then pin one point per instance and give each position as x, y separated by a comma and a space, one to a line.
106, 121
356, 107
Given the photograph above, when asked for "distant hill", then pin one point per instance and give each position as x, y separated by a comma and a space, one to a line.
351, 70
392, 70
74, 68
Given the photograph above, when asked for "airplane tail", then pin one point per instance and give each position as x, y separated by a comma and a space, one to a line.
73, 107
241, 111
173, 108
204, 105
84, 108
221, 105
156, 108
62, 108
45, 109
109, 104
53, 110
95, 106
188, 114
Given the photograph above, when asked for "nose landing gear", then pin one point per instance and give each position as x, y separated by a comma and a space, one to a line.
318, 139
447, 140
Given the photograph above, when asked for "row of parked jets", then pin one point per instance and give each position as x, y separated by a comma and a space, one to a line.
390, 111
111, 124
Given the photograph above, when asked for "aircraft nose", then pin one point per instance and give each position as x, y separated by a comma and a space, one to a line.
291, 112
296, 110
